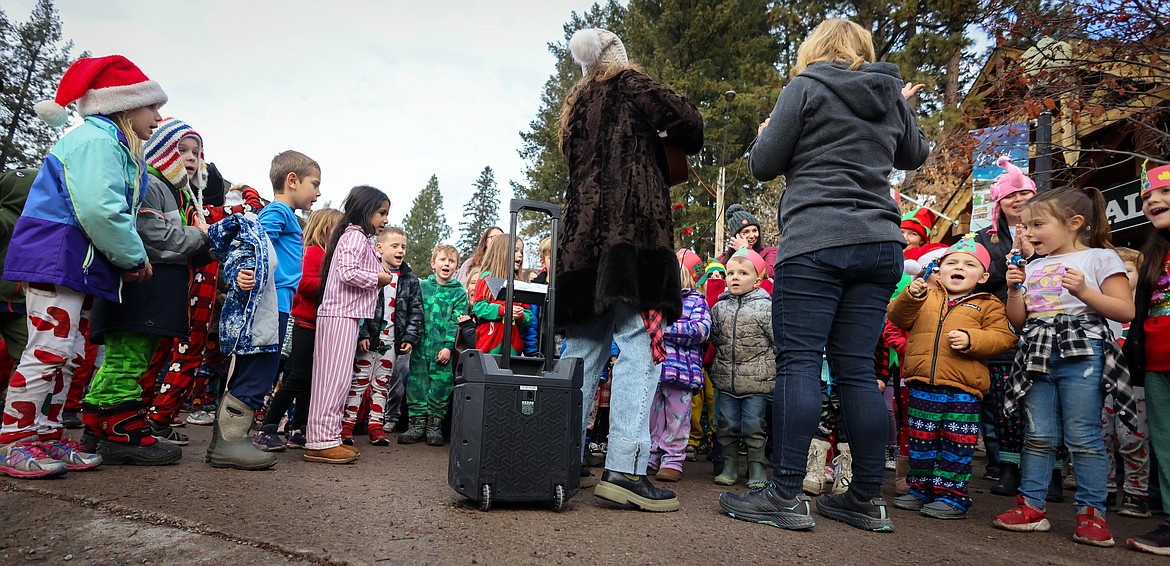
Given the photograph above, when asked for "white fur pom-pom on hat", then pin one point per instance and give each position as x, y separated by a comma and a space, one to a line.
51, 113
594, 45
911, 267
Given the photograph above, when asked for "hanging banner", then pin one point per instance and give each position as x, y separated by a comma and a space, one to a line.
1012, 140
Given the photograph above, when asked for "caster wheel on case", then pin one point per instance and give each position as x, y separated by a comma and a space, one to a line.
485, 497
558, 501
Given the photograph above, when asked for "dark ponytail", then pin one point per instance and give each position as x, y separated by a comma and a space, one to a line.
360, 204
1153, 258
1098, 227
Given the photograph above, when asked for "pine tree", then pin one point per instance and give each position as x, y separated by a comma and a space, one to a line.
426, 227
481, 212
32, 60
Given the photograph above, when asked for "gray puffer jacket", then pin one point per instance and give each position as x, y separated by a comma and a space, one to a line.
745, 354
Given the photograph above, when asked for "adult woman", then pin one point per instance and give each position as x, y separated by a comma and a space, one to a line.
469, 266
744, 229
838, 129
617, 268
1004, 433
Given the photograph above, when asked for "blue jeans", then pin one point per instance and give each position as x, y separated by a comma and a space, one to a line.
741, 419
254, 374
634, 381
1066, 404
832, 300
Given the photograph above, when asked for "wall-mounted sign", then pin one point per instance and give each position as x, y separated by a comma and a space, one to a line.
1123, 205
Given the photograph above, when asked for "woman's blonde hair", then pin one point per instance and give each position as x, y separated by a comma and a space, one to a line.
321, 224
598, 73
499, 257
137, 146
686, 277
836, 41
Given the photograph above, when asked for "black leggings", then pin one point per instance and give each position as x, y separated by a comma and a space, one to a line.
298, 376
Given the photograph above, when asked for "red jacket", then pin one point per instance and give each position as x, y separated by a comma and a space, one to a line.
305, 302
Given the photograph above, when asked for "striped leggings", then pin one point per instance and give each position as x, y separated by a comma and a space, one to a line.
333, 360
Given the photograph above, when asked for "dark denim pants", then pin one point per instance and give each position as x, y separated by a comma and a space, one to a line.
255, 374
832, 300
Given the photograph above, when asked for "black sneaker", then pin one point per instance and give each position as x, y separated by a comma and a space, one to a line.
627, 489
295, 439
866, 515
1134, 506
768, 507
1154, 542
992, 473
164, 433
70, 419
268, 440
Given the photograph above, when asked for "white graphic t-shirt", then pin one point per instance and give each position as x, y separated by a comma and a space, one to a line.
1046, 297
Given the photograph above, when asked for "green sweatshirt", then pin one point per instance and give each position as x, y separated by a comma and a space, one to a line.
443, 304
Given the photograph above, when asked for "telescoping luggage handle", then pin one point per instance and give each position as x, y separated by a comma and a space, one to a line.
546, 335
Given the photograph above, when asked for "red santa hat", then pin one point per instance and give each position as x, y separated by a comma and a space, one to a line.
103, 86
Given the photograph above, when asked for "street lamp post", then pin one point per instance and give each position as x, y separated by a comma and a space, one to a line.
722, 186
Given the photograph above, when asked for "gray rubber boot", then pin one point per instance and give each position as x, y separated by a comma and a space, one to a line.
757, 468
231, 445
730, 472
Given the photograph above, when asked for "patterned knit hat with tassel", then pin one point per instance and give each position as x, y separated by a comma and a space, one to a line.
162, 153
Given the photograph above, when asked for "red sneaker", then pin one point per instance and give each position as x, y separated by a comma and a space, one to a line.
347, 433
1091, 529
378, 436
1022, 518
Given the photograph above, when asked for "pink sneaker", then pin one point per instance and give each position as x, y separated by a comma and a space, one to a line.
28, 460
71, 453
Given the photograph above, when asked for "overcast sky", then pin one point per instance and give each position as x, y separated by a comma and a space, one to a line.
382, 93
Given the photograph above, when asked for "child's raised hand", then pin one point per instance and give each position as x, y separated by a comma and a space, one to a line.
917, 288
1073, 281
1014, 276
246, 280
1021, 243
958, 340
444, 356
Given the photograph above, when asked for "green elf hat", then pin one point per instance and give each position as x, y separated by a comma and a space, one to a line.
920, 221
712, 267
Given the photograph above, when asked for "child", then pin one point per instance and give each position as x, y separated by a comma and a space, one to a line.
432, 375
184, 155
352, 275
489, 335
299, 371
703, 431
1067, 354
408, 318
67, 250
1131, 444
151, 314
952, 331
916, 226
1147, 346
682, 373
744, 371
296, 184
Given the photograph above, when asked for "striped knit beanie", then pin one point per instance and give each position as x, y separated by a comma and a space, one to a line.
162, 153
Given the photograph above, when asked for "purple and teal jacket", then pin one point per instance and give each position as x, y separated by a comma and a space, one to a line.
684, 342
78, 226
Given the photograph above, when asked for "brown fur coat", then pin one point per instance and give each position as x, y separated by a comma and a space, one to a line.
617, 234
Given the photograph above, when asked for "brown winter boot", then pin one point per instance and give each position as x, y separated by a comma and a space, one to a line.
900, 487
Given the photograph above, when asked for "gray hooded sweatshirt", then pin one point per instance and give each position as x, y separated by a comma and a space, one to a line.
836, 135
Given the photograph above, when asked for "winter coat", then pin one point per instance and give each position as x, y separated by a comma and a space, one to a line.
159, 305
616, 240
78, 225
836, 134
351, 287
308, 297
249, 320
14, 186
745, 354
684, 342
929, 357
489, 311
408, 309
443, 304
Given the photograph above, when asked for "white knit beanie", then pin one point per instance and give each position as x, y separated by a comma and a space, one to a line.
595, 45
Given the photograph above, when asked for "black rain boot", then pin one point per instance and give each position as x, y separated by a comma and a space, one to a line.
415, 433
126, 438
434, 431
1009, 480
1055, 488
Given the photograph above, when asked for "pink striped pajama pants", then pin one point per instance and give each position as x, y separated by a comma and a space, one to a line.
333, 357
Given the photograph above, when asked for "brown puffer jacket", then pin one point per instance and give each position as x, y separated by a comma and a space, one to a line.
929, 356
745, 353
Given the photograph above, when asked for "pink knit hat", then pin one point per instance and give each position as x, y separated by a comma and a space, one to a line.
691, 261
1012, 181
753, 257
